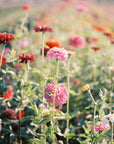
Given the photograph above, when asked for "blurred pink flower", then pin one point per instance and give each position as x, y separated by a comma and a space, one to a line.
58, 53
82, 8
77, 41
23, 43
60, 94
100, 127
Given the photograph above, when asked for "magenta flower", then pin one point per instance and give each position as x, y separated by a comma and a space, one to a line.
77, 41
60, 94
100, 127
82, 8
58, 53
23, 43
42, 28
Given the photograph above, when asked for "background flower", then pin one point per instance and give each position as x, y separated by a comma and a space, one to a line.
77, 41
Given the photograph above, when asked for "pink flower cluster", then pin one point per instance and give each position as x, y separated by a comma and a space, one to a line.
58, 53
77, 41
60, 94
100, 127
82, 8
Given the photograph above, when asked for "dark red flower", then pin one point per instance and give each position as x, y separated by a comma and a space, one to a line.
25, 57
20, 114
42, 28
9, 113
95, 48
4, 61
6, 38
8, 95
26, 7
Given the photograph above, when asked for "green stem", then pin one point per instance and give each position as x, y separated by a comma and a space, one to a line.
24, 20
68, 85
53, 121
95, 104
112, 133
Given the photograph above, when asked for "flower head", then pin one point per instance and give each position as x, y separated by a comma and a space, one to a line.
77, 41
95, 48
20, 114
53, 43
77, 81
50, 44
4, 61
100, 127
42, 28
10, 113
60, 94
8, 95
26, 7
25, 57
6, 38
58, 53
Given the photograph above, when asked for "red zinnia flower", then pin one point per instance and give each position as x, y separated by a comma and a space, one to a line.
6, 38
8, 95
4, 61
20, 114
26, 7
95, 48
25, 57
10, 113
42, 28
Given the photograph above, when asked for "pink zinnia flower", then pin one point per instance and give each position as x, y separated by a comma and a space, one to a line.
42, 28
82, 8
23, 43
58, 53
60, 94
77, 41
100, 127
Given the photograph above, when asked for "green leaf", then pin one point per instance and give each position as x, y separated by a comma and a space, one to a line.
72, 92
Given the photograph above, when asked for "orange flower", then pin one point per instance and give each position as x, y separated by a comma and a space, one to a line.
8, 95
95, 48
53, 43
99, 27
20, 114
18, 66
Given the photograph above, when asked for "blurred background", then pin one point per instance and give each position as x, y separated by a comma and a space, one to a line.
11, 10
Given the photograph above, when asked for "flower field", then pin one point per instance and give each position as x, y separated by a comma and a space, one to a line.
57, 74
